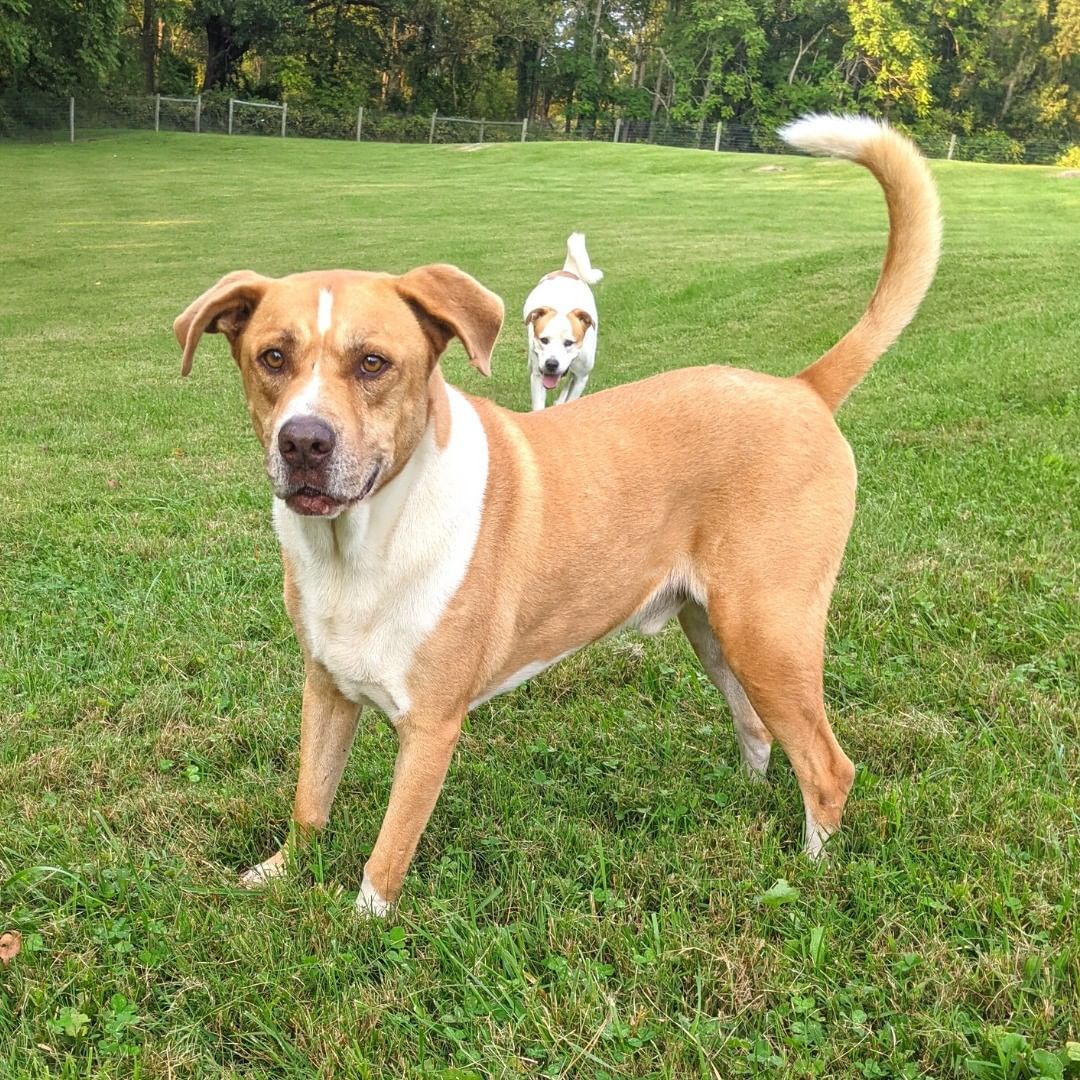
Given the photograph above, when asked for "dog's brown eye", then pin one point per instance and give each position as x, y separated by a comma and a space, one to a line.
568, 344
274, 359
372, 365
545, 340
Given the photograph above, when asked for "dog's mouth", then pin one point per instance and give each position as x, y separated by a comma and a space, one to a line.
312, 501
550, 379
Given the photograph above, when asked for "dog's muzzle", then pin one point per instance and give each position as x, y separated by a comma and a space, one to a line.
307, 472
550, 372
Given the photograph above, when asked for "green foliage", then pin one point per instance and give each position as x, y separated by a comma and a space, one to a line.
58, 45
893, 51
959, 67
14, 36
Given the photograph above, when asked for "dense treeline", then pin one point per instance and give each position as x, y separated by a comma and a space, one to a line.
964, 66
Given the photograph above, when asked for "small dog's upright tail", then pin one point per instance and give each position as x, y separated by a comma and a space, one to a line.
577, 260
914, 242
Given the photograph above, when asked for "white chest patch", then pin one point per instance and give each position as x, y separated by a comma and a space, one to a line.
375, 582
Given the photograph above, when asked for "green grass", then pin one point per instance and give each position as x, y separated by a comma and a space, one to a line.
588, 900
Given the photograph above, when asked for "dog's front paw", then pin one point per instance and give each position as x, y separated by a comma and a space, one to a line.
369, 902
265, 872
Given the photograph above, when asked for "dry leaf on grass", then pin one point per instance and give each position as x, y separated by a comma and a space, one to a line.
10, 944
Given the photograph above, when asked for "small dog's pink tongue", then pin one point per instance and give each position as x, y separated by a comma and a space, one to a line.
550, 381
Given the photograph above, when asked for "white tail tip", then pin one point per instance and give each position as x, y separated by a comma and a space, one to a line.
841, 136
579, 257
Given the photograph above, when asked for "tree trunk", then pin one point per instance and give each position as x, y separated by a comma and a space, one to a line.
705, 95
149, 47
656, 88
803, 50
535, 95
528, 55
1010, 83
638, 77
223, 54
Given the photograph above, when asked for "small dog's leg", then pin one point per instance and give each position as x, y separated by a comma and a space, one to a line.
578, 388
425, 746
755, 742
327, 726
567, 392
539, 394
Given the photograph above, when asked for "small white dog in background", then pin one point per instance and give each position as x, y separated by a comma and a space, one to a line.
561, 324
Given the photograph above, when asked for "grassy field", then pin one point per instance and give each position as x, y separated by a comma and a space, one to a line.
600, 892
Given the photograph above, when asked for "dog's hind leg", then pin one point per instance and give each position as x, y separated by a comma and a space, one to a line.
774, 643
755, 742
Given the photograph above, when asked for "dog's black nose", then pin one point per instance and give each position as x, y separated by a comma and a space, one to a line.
306, 441
551, 366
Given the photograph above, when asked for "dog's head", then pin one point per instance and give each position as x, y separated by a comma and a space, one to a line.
337, 365
556, 338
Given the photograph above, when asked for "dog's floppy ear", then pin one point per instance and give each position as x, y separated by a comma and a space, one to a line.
536, 314
455, 305
224, 308
583, 317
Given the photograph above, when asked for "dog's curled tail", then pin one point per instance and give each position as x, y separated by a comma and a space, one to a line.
577, 260
914, 242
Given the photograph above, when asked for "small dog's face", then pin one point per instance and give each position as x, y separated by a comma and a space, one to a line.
336, 368
555, 339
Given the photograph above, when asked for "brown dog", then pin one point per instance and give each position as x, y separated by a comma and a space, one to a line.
417, 524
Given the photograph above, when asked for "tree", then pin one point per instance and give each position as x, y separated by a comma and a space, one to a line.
891, 48
60, 44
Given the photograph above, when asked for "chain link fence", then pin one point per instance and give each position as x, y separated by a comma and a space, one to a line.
39, 116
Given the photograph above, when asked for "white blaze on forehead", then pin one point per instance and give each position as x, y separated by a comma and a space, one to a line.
326, 308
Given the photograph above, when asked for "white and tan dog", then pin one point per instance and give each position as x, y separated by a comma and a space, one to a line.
561, 325
417, 523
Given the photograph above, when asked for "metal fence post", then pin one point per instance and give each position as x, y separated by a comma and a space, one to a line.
719, 132
198, 113
359, 122
230, 114
431, 133
618, 128
481, 130
71, 117
157, 112
284, 113
952, 147
524, 128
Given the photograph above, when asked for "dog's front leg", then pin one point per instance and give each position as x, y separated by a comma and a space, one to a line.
539, 394
327, 726
425, 745
574, 392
